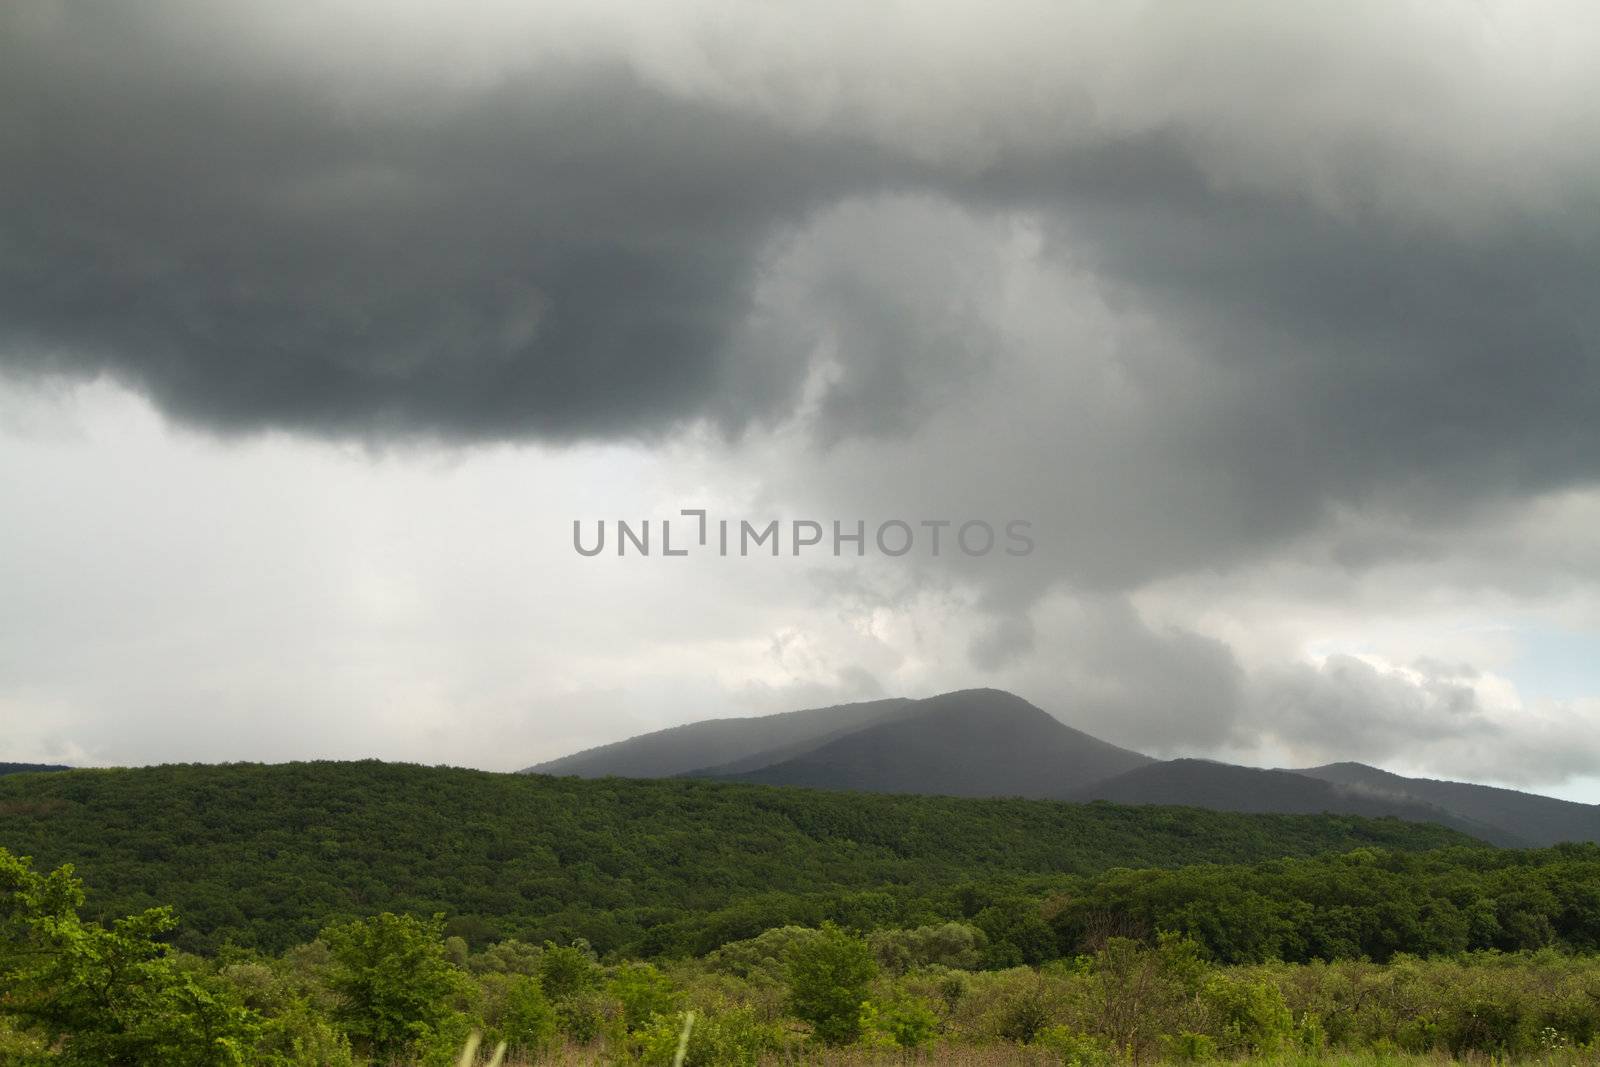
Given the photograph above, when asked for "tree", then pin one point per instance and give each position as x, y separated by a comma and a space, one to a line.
108, 996
644, 993
829, 977
567, 970
1140, 992
520, 1012
395, 986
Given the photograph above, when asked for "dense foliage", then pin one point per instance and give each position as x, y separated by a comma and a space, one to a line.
391, 990
99, 995
1363, 904
264, 856
371, 914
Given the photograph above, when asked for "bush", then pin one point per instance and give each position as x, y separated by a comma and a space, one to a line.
395, 987
1251, 1017
644, 993
954, 945
566, 970
1026, 1015
828, 981
766, 955
518, 1013
1190, 1047
583, 1016
1141, 994
299, 1037
902, 1022
728, 1039
1075, 1049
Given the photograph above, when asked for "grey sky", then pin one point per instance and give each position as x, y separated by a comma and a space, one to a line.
319, 330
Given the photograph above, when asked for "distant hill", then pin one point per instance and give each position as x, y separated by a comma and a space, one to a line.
263, 855
23, 768
1538, 820
715, 742
985, 742
1226, 787
974, 743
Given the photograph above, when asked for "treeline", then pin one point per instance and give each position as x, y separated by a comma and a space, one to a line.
262, 857
394, 990
1365, 904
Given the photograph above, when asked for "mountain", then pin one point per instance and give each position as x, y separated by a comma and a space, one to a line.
973, 743
1225, 787
682, 749
986, 742
20, 768
1535, 819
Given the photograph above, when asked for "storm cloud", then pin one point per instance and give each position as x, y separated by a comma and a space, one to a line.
1248, 309
565, 243
561, 254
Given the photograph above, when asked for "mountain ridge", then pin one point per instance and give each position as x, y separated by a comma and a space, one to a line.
1533, 817
692, 746
991, 743
972, 742
1256, 790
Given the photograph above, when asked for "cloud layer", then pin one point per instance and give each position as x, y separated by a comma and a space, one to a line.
1247, 310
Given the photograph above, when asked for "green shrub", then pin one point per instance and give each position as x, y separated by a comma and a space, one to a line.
766, 955
1140, 994
644, 993
1026, 1015
394, 985
733, 1038
901, 1021
518, 1013
1251, 1018
583, 1016
828, 981
1190, 1047
507, 957
566, 970
1075, 1049
298, 1036
955, 945
1310, 1038
108, 996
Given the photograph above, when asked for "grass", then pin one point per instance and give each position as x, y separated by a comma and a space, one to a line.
1002, 1054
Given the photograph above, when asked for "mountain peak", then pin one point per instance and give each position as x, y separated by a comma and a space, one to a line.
973, 742
989, 742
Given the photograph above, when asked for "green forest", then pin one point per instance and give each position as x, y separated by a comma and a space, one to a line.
368, 913
262, 856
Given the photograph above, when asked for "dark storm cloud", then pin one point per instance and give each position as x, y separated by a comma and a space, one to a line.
1351, 350
563, 254
569, 251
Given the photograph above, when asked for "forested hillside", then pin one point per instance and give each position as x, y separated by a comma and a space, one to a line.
262, 856
23, 768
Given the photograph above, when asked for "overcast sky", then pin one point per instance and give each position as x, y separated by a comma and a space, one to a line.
321, 324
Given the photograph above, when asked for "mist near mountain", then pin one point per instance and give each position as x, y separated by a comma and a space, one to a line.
1199, 783
990, 743
1537, 820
